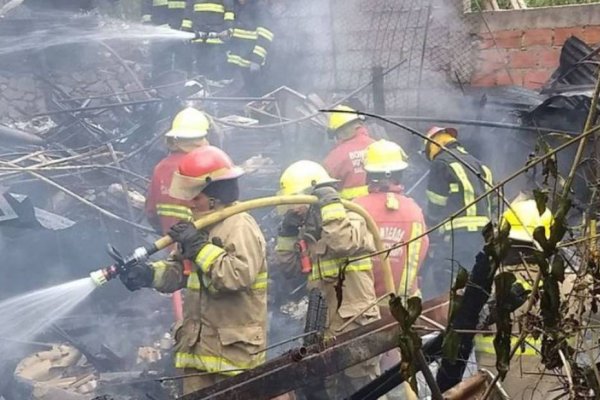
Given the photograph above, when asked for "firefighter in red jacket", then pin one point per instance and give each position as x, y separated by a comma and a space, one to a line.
398, 217
188, 132
345, 161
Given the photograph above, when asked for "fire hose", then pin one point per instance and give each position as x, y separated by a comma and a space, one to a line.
141, 254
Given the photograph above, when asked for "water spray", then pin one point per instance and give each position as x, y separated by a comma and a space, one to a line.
141, 254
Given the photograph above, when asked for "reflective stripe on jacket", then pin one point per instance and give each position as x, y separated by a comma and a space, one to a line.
399, 219
163, 12
161, 209
225, 308
346, 163
251, 38
344, 235
208, 16
453, 186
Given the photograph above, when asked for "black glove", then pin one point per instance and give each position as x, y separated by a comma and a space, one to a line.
290, 225
137, 277
313, 225
326, 195
192, 240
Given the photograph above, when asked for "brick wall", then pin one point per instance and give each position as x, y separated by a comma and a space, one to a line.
523, 47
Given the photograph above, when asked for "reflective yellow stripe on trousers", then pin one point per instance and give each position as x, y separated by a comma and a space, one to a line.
237, 60
215, 364
331, 268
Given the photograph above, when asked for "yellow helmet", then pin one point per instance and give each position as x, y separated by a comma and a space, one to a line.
384, 156
302, 176
338, 120
441, 136
524, 217
189, 124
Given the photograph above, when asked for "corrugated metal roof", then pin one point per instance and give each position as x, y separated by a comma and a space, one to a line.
578, 66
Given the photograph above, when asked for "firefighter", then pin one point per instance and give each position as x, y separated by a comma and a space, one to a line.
329, 235
166, 56
250, 40
398, 217
452, 186
212, 22
163, 12
526, 377
345, 161
225, 312
188, 131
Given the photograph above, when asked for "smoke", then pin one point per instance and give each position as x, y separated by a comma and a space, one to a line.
53, 29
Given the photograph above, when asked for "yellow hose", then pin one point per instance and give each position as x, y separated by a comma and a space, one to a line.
274, 201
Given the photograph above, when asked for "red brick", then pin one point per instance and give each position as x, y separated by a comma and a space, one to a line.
483, 79
549, 58
493, 56
486, 44
591, 35
508, 39
535, 78
523, 59
507, 77
535, 37
562, 34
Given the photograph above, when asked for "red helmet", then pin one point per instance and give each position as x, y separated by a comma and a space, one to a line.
199, 168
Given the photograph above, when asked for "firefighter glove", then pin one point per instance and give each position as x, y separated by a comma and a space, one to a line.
191, 239
137, 277
326, 195
313, 224
290, 225
225, 35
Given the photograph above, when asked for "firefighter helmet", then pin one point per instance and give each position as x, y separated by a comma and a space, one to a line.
198, 169
524, 217
439, 135
189, 124
384, 156
302, 176
338, 120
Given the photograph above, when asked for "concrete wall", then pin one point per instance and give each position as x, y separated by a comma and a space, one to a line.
522, 47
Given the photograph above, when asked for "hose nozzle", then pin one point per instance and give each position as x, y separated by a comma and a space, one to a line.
103, 275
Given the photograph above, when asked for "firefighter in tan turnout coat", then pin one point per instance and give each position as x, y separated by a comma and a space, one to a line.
332, 236
225, 307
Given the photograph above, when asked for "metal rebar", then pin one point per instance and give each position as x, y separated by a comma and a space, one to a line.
150, 101
272, 346
83, 200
